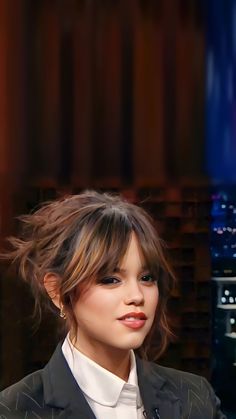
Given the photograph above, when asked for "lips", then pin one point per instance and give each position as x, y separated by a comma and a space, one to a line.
133, 320
134, 316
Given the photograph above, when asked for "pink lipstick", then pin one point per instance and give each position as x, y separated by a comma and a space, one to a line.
133, 320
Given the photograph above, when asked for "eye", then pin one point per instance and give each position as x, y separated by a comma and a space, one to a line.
148, 278
111, 280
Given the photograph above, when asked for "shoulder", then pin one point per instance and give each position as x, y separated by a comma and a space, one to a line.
179, 378
23, 395
170, 375
194, 391
181, 381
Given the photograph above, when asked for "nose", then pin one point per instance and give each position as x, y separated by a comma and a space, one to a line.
133, 293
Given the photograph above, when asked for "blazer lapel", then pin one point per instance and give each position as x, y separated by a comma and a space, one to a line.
62, 393
61, 390
159, 401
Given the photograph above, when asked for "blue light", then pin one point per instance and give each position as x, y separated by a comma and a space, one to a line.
221, 91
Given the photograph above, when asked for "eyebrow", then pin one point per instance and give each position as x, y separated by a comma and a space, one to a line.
123, 271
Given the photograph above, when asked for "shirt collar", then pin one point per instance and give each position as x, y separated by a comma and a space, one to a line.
97, 383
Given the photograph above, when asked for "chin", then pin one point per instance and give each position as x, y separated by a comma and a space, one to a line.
132, 344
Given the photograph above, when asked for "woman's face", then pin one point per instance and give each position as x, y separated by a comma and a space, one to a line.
117, 311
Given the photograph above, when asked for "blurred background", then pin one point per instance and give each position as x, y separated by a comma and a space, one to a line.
138, 97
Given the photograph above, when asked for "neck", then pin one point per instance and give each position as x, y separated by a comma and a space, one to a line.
114, 360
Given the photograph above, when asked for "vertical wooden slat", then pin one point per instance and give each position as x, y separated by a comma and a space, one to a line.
189, 98
16, 80
49, 77
127, 88
107, 94
83, 99
112, 95
4, 128
169, 81
149, 159
12, 169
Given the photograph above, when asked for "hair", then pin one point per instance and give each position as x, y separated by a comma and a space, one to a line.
80, 237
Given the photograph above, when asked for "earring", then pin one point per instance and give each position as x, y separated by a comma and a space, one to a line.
62, 313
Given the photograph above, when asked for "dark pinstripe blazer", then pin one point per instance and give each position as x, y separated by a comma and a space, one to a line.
53, 393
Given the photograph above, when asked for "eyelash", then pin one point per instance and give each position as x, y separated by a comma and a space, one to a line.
109, 281
150, 276
113, 280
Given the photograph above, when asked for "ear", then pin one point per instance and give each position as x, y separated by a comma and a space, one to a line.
51, 283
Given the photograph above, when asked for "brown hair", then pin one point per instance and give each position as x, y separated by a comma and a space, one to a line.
82, 236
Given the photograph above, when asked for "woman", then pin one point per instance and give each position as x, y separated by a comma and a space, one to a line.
99, 260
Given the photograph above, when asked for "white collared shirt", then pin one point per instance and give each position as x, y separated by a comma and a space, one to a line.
109, 396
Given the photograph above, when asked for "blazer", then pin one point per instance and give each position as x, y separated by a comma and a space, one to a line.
53, 393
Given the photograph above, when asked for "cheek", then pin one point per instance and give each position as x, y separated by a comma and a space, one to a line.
93, 304
153, 299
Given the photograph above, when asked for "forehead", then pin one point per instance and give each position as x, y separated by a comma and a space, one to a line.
121, 257
133, 251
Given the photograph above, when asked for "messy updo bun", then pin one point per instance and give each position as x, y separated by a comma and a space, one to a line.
79, 237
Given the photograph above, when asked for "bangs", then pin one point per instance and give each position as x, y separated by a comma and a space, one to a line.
150, 248
110, 241
100, 246
102, 242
